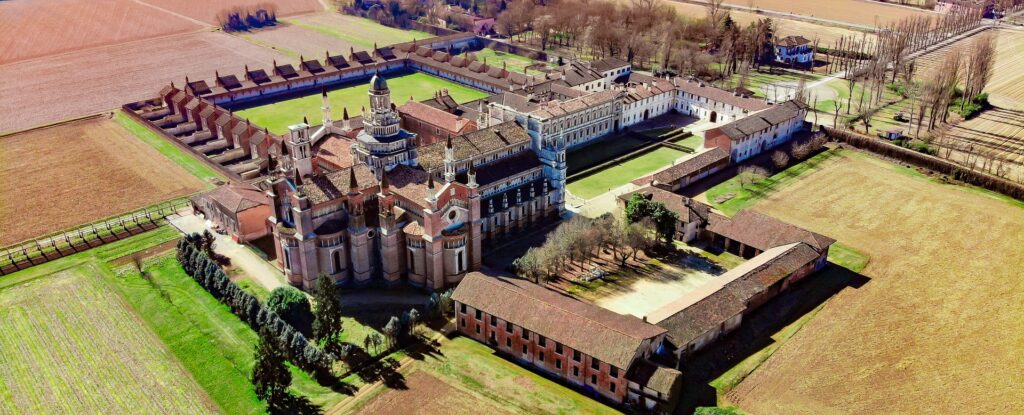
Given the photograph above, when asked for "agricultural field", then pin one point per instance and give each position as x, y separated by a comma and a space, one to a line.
864, 13
464, 375
923, 319
279, 115
612, 177
32, 29
82, 171
85, 82
297, 41
996, 133
358, 32
1006, 89
783, 27
207, 10
72, 345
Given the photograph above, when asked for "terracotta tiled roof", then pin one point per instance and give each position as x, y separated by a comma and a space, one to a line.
362, 57
610, 337
657, 378
763, 232
286, 71
689, 210
410, 183
199, 87
473, 144
338, 61
238, 197
335, 150
692, 165
793, 41
326, 187
720, 95
554, 109
607, 64
228, 82
577, 73
312, 66
449, 122
258, 76
506, 167
778, 114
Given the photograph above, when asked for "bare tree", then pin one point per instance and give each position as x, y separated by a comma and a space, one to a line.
780, 159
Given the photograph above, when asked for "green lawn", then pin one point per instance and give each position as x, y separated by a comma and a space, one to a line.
601, 151
692, 142
515, 63
358, 31
848, 257
279, 115
186, 160
760, 82
617, 175
744, 197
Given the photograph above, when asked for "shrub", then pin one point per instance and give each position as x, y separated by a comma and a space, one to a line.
292, 306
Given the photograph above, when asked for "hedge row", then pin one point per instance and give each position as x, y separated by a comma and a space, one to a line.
212, 277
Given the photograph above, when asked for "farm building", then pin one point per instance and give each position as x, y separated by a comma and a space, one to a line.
603, 353
692, 169
238, 209
750, 136
794, 50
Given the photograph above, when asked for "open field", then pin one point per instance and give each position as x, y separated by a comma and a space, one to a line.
31, 29
89, 81
78, 172
513, 62
996, 132
1006, 89
297, 41
783, 27
777, 84
463, 369
944, 273
866, 13
279, 115
609, 178
206, 10
359, 32
71, 345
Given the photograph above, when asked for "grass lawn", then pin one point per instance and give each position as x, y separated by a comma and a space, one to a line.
744, 197
617, 175
492, 381
601, 151
848, 257
692, 142
515, 63
279, 115
359, 31
186, 160
761, 82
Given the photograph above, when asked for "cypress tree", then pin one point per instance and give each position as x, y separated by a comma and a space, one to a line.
326, 308
270, 375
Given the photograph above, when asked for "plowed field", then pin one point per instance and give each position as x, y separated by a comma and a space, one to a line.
79, 172
206, 10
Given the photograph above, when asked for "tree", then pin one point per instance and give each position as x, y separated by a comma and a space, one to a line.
292, 306
391, 330
751, 175
326, 308
780, 159
636, 239
270, 375
414, 321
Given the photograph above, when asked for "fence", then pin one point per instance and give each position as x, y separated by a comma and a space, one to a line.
70, 241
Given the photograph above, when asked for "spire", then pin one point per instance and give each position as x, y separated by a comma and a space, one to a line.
323, 91
430, 182
304, 120
384, 185
471, 176
344, 113
352, 184
448, 142
298, 179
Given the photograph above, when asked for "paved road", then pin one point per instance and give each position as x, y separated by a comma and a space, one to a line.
241, 256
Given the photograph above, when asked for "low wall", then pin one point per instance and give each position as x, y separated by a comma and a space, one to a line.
958, 172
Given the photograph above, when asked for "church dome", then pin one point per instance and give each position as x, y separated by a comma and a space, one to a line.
378, 83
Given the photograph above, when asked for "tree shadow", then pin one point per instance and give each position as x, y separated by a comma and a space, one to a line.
755, 333
384, 371
294, 404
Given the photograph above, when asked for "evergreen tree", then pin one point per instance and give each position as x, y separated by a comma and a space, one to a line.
292, 306
326, 308
270, 375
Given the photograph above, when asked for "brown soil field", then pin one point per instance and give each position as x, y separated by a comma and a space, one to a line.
997, 133
936, 329
784, 27
1006, 89
78, 172
206, 10
850, 11
429, 395
30, 29
85, 82
296, 41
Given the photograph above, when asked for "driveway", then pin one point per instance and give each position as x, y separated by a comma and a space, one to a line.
241, 256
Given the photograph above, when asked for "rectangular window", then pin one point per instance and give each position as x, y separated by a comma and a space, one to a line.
576, 355
526, 335
558, 364
479, 315
494, 321
558, 348
575, 372
508, 342
525, 350
541, 356
463, 322
595, 364
611, 387
614, 372
541, 341
593, 379
477, 329
463, 306
508, 327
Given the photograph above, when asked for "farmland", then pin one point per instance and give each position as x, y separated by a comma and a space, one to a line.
71, 345
466, 374
850, 11
1006, 89
360, 33
206, 10
923, 321
89, 81
279, 115
784, 27
79, 172
296, 41
30, 29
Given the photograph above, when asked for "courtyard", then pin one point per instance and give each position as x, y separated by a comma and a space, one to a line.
277, 116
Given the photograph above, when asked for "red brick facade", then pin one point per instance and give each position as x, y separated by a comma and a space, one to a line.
554, 358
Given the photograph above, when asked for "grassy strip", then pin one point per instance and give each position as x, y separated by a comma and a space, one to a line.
515, 63
187, 161
605, 180
745, 196
692, 142
848, 257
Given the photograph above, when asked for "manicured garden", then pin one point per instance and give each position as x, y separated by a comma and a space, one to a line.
279, 115
513, 62
619, 174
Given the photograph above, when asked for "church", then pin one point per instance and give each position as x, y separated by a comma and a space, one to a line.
403, 213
